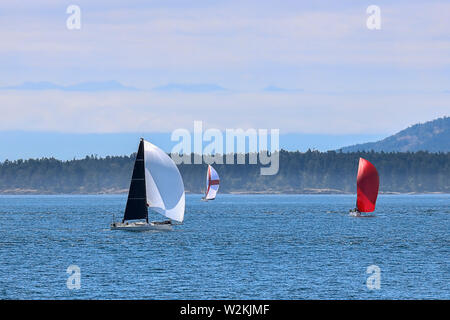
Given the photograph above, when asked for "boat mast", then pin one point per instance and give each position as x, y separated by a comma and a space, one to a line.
145, 184
208, 179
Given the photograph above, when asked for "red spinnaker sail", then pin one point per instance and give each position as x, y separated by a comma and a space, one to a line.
367, 184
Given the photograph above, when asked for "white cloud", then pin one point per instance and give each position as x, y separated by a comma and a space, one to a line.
208, 38
149, 111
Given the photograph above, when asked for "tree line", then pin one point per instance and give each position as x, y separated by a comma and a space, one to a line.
299, 172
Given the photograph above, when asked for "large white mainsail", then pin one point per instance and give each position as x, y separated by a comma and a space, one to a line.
163, 182
212, 183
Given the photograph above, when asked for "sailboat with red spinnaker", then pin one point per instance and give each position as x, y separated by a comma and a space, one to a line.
367, 185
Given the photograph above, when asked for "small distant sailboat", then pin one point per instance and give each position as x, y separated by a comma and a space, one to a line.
367, 184
156, 183
212, 184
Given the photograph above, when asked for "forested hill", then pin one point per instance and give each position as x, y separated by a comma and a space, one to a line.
432, 136
309, 172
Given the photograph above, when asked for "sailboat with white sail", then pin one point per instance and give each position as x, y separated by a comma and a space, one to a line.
212, 184
156, 184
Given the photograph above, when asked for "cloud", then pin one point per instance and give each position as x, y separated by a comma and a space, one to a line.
145, 111
231, 37
278, 89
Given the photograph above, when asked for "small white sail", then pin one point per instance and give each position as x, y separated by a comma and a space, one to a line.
212, 183
163, 183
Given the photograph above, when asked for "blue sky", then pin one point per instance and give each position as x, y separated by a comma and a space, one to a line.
155, 66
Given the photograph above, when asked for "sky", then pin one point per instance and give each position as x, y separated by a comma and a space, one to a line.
309, 68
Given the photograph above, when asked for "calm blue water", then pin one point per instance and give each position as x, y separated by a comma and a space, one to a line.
236, 247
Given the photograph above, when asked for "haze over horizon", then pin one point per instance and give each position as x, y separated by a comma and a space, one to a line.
428, 136
312, 70
67, 146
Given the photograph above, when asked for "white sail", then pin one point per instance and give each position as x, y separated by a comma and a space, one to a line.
163, 183
212, 183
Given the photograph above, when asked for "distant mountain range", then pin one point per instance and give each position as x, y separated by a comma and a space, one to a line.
113, 85
180, 87
82, 86
432, 136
